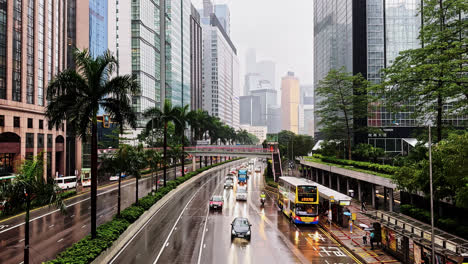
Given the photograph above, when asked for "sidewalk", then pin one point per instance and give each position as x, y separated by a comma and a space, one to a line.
353, 241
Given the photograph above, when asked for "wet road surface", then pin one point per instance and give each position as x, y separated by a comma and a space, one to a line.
51, 232
186, 231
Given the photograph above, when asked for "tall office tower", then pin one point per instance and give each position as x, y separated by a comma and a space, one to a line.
224, 16
307, 94
251, 82
267, 70
251, 62
250, 110
220, 72
33, 49
274, 119
290, 102
195, 60
365, 37
267, 99
306, 119
97, 27
165, 77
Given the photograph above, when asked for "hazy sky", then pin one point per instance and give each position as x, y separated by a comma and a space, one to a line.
281, 31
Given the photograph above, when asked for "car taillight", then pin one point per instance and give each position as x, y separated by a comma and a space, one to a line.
211, 203
298, 218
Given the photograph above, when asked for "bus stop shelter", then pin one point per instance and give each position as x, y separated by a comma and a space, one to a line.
338, 204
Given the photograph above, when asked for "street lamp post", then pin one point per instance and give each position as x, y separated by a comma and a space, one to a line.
432, 199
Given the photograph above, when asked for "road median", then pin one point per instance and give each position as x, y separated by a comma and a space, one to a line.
113, 235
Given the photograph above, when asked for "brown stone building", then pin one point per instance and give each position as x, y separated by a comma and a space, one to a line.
34, 41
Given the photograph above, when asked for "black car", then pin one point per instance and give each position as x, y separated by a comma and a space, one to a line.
240, 227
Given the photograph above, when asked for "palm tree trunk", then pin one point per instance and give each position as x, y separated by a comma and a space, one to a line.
165, 152
94, 173
118, 194
183, 156
26, 231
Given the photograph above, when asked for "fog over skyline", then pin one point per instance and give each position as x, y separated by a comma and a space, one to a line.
279, 31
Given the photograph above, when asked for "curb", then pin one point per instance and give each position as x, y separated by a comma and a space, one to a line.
107, 255
343, 244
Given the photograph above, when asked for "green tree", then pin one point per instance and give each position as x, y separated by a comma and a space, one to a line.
367, 152
76, 95
344, 101
303, 145
449, 169
425, 80
166, 115
175, 153
137, 162
28, 186
153, 158
182, 118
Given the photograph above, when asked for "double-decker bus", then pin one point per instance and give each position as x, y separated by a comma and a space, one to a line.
299, 200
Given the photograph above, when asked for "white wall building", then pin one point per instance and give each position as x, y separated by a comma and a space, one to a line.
220, 72
259, 131
306, 120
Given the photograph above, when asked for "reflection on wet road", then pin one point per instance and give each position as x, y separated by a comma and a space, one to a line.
186, 231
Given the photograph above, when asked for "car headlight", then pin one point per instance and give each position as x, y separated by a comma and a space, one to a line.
248, 233
233, 232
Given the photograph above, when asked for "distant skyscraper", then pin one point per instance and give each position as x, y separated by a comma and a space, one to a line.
224, 16
307, 94
267, 99
220, 71
274, 119
252, 82
306, 119
290, 94
251, 61
250, 110
267, 71
196, 60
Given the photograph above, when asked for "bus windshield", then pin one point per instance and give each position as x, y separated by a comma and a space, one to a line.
307, 193
306, 209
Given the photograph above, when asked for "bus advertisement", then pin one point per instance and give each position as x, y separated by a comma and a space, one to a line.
86, 177
299, 200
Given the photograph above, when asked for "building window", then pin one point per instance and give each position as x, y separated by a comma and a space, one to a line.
29, 140
3, 41
16, 121
17, 31
40, 141
41, 124
30, 54
30, 123
40, 53
49, 125
49, 141
2, 120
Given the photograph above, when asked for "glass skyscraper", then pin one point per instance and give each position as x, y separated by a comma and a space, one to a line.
97, 27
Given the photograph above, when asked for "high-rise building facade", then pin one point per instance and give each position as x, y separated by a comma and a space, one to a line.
274, 119
220, 72
33, 49
365, 36
195, 60
290, 93
306, 119
98, 27
250, 110
267, 99
224, 16
267, 70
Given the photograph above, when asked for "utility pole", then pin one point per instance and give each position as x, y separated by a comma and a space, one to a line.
432, 198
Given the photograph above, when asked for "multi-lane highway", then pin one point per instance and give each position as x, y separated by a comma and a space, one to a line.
51, 232
184, 230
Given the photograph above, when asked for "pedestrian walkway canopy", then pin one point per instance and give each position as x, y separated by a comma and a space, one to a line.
328, 194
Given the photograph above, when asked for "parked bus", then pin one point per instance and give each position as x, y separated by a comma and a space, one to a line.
242, 177
86, 177
299, 200
65, 183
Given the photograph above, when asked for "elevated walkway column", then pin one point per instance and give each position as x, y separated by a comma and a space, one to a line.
373, 195
359, 191
330, 185
390, 199
338, 184
194, 163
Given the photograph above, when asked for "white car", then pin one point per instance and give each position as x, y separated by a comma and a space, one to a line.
241, 193
258, 169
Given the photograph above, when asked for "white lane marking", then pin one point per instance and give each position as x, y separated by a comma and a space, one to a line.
167, 244
203, 236
71, 216
83, 226
60, 240
21, 240
180, 216
3, 226
51, 226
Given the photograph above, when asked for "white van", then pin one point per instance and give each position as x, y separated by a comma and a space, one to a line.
65, 183
241, 193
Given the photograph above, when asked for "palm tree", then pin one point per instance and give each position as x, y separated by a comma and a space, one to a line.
137, 162
166, 115
182, 117
176, 153
153, 158
30, 185
75, 95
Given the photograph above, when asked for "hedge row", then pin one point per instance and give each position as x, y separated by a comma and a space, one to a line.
450, 225
386, 169
87, 249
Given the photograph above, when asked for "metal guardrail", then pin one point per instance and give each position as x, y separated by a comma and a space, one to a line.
209, 148
419, 230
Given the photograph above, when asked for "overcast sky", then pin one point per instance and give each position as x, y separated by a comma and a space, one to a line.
281, 31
